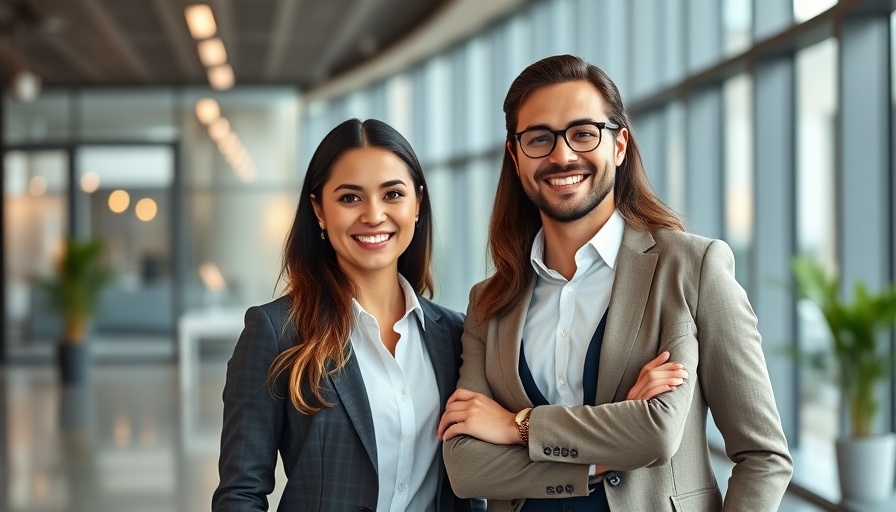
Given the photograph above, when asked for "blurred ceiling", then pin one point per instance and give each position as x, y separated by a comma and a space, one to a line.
147, 42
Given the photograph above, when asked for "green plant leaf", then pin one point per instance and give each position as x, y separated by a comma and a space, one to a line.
856, 355
78, 278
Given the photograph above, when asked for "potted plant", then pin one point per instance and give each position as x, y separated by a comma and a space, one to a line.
860, 359
73, 292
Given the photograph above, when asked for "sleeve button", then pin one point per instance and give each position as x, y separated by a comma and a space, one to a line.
613, 478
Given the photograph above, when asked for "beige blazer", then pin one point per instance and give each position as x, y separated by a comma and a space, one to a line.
672, 291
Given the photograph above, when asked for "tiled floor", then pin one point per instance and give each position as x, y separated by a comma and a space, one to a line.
127, 442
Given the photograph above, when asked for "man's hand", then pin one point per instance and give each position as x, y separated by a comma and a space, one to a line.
657, 377
474, 414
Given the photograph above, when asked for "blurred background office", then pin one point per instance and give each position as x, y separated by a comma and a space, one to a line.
178, 133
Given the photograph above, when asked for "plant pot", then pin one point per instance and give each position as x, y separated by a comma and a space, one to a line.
866, 466
74, 362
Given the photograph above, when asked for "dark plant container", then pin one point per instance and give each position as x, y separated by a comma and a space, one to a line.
74, 363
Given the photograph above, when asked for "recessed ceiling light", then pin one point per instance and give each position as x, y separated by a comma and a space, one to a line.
212, 52
200, 20
221, 77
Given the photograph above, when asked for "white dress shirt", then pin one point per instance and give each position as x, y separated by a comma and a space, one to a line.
404, 401
563, 315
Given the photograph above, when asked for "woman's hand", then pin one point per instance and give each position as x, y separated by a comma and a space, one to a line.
474, 414
657, 377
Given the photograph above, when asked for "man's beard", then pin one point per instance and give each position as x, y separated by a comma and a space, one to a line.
570, 211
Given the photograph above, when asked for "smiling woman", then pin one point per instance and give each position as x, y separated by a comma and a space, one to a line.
366, 362
368, 207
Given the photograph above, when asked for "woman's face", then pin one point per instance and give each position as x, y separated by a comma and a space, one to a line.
368, 208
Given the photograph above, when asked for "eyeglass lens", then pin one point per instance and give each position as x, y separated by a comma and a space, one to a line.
580, 138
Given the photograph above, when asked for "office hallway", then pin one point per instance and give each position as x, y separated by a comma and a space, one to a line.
126, 442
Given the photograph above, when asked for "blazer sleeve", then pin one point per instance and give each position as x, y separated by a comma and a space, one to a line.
253, 420
478, 469
624, 435
737, 387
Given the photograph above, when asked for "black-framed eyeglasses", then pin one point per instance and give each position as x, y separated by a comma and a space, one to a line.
580, 137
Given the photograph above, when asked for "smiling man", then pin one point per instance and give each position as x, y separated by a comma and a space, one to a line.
594, 278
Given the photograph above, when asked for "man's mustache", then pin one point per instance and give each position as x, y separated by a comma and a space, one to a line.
554, 168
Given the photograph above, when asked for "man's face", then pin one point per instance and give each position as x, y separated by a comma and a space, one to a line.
566, 185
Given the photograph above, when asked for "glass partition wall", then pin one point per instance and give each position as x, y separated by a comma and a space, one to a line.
36, 215
168, 189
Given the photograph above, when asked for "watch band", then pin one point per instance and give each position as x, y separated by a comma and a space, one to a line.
522, 425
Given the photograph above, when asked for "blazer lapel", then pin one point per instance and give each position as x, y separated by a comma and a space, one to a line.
438, 344
631, 289
349, 385
509, 344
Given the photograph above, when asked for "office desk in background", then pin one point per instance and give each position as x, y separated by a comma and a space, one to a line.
217, 324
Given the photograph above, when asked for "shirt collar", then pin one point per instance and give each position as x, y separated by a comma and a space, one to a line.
607, 242
411, 303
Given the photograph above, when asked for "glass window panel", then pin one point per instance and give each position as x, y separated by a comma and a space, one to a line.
737, 17
445, 268
647, 61
503, 69
481, 184
438, 109
540, 15
46, 119
314, 127
652, 134
240, 225
398, 91
673, 40
35, 222
562, 27
806, 9
458, 119
675, 154
357, 104
377, 106
241, 232
519, 38
476, 76
893, 132
258, 145
704, 34
739, 201
132, 115
136, 234
615, 24
816, 95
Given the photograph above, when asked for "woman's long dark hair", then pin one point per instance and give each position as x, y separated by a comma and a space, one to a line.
321, 292
515, 218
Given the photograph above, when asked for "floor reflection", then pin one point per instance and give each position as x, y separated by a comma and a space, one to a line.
126, 441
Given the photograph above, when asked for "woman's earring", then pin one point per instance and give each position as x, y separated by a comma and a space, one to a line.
417, 221
322, 235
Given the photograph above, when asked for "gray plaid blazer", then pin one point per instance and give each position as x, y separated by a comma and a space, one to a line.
329, 457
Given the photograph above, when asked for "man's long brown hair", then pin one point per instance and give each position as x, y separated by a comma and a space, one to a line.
515, 218
320, 310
